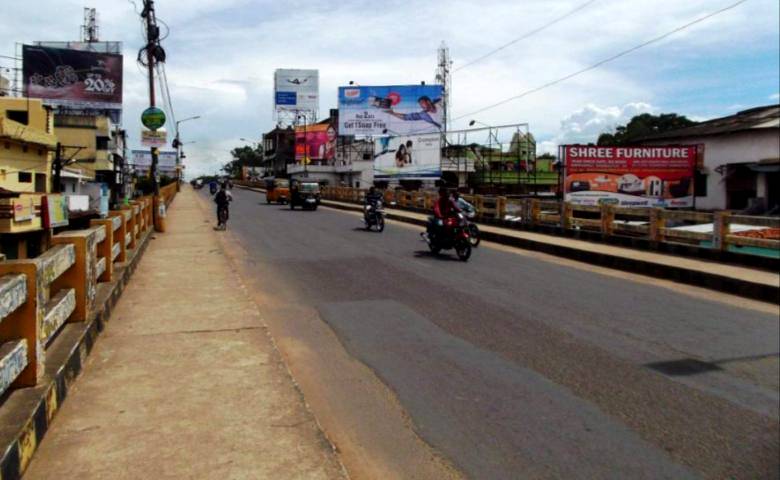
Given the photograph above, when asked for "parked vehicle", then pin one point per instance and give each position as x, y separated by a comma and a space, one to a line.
277, 190
305, 195
450, 233
374, 216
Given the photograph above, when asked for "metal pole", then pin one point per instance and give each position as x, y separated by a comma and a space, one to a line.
58, 169
151, 39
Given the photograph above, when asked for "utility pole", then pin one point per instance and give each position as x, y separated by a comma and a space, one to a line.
56, 188
152, 51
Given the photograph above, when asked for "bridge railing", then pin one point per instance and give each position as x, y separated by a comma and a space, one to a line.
39, 296
717, 230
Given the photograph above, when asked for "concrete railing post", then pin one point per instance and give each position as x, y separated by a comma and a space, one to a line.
720, 230
82, 276
607, 219
536, 211
25, 323
120, 233
657, 224
104, 248
566, 214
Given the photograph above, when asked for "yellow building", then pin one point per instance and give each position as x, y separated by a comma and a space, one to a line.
27, 144
27, 147
87, 141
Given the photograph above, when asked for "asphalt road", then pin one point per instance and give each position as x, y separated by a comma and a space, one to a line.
518, 365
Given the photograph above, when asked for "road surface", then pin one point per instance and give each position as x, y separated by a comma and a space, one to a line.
513, 365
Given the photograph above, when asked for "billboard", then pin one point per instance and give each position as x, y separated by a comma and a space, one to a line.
315, 142
73, 78
297, 89
659, 176
412, 157
395, 110
142, 159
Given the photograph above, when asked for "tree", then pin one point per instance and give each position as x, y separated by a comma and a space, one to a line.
244, 156
644, 125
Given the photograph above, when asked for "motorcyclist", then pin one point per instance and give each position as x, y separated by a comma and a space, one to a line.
373, 198
444, 208
464, 206
223, 199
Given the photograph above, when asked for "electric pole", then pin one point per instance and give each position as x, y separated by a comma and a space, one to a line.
153, 53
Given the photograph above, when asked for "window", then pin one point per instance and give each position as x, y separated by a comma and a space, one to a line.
25, 177
21, 116
700, 184
101, 143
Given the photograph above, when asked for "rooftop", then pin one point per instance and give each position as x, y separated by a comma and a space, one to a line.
755, 118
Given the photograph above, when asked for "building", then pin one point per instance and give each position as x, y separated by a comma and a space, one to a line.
27, 146
352, 165
278, 151
89, 142
741, 162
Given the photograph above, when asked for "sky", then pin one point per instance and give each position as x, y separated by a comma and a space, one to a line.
222, 55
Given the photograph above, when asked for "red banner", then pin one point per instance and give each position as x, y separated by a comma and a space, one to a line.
660, 176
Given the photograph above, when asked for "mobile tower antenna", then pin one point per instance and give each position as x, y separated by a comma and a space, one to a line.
444, 79
90, 29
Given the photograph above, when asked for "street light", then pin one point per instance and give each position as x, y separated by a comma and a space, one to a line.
177, 143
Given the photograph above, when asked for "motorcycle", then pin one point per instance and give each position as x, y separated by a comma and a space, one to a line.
450, 233
468, 219
374, 216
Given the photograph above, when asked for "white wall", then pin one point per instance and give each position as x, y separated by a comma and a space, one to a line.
740, 147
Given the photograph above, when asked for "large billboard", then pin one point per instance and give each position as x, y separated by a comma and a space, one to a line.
315, 142
73, 78
297, 90
394, 110
412, 157
661, 176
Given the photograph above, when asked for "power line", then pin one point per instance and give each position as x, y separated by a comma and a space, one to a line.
606, 60
526, 35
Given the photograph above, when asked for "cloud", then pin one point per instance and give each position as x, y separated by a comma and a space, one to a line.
775, 97
222, 54
586, 124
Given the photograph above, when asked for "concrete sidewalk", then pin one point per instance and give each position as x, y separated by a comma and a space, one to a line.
185, 382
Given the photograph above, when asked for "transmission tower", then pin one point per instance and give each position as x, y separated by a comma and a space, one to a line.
443, 78
90, 29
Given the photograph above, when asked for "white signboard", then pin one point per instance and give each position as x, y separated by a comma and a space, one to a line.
157, 138
296, 89
412, 157
143, 159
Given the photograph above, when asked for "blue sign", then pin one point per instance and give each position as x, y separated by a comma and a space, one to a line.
286, 98
391, 110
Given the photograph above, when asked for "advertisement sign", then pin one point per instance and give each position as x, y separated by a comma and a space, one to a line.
153, 118
55, 211
629, 176
395, 110
143, 159
297, 89
413, 157
315, 142
24, 209
72, 78
154, 138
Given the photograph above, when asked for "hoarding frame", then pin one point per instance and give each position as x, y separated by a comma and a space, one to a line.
655, 178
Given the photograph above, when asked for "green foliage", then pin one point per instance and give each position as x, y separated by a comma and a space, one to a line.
244, 156
644, 125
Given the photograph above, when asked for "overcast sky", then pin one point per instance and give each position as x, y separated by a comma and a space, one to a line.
222, 54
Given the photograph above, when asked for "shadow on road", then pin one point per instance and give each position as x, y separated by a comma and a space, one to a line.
440, 256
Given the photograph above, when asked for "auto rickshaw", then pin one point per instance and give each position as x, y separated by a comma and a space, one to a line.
277, 190
305, 195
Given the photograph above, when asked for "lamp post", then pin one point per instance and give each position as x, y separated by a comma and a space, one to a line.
178, 145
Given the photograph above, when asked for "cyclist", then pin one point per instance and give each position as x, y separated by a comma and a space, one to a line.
222, 199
